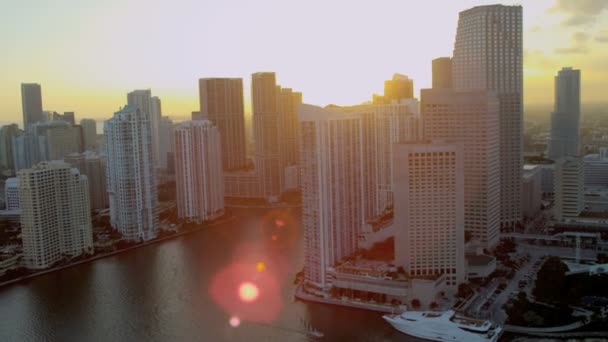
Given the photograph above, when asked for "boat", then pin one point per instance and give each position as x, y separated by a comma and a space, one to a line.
444, 326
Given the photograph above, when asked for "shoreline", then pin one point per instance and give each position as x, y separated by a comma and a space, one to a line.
301, 295
116, 252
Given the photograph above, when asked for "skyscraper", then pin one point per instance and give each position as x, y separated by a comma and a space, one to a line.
442, 72
93, 166
288, 132
429, 210
566, 115
331, 181
471, 118
31, 103
488, 55
89, 133
11, 193
569, 188
151, 107
165, 141
131, 174
264, 92
7, 134
221, 102
55, 214
198, 171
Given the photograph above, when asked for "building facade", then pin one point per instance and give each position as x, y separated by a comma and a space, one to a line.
471, 118
89, 134
55, 214
442, 73
198, 171
165, 141
31, 103
569, 188
221, 102
332, 190
131, 174
93, 166
488, 55
429, 210
566, 115
11, 194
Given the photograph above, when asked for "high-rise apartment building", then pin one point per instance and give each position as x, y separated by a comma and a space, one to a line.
31, 103
471, 118
151, 107
89, 133
93, 166
569, 188
165, 141
221, 102
429, 210
55, 214
331, 182
7, 134
442, 73
62, 138
11, 193
288, 134
198, 171
131, 174
264, 92
566, 115
488, 55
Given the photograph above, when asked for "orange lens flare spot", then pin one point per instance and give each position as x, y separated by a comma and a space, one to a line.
248, 292
234, 321
279, 222
274, 237
260, 266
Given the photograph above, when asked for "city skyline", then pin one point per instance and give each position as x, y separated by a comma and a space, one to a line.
557, 35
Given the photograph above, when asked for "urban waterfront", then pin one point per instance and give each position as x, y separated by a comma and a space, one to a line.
166, 292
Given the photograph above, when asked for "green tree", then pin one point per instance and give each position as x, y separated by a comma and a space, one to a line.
550, 280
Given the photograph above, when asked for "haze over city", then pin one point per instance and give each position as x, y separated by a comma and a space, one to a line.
88, 54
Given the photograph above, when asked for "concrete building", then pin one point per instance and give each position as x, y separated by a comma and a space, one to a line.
569, 188
332, 189
532, 191
221, 102
471, 118
566, 115
399, 88
131, 174
198, 171
62, 139
288, 135
488, 55
31, 103
68, 117
151, 107
429, 210
596, 168
11, 194
165, 141
442, 73
89, 134
7, 134
93, 166
264, 92
55, 214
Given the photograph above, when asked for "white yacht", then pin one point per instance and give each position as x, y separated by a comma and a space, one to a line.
444, 326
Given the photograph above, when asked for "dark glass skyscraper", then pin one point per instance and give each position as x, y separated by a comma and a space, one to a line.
31, 102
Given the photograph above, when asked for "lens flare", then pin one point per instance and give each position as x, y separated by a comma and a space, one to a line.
248, 292
260, 266
234, 321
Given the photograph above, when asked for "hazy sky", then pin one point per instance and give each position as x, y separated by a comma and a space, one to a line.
87, 54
